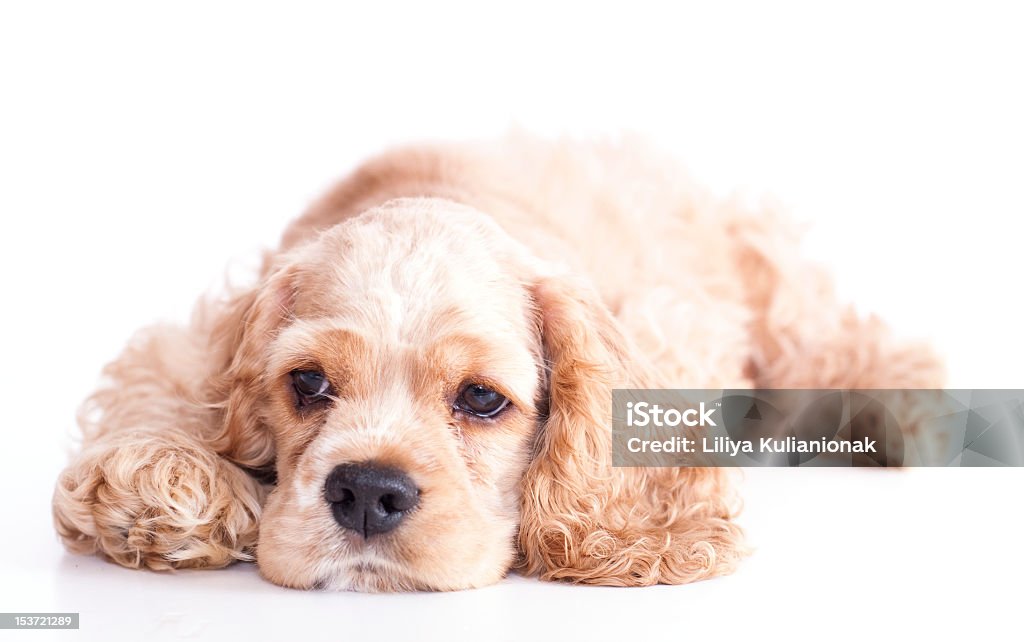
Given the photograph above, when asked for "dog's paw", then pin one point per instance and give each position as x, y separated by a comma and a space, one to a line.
157, 502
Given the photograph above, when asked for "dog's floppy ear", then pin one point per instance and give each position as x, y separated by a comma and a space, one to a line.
240, 332
582, 519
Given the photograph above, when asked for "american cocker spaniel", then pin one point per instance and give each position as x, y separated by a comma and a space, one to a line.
416, 394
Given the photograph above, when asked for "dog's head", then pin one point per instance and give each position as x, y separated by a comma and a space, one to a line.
436, 403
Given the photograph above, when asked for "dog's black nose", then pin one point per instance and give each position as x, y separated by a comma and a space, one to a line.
370, 499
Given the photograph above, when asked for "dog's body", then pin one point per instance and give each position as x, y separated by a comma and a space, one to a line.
532, 276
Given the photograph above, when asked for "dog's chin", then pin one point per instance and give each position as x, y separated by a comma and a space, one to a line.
373, 571
371, 576
363, 573
381, 576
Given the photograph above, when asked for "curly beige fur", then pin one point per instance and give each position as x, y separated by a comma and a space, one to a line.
554, 272
147, 490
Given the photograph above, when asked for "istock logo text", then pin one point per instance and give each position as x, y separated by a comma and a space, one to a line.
646, 414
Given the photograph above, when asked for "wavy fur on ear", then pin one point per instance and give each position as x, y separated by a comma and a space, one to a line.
582, 519
248, 324
156, 484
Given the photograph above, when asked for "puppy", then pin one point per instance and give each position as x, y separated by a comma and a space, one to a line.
416, 394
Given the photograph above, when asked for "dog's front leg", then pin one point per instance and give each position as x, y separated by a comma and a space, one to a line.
158, 500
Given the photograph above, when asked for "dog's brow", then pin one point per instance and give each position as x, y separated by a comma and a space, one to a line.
476, 357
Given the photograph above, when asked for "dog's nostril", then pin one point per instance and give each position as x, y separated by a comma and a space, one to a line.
370, 499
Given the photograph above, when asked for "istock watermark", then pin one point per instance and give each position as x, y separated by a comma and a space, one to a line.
643, 414
822, 427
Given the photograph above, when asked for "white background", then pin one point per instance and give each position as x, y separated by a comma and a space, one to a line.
143, 147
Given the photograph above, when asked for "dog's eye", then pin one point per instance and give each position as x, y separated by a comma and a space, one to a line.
310, 386
481, 401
